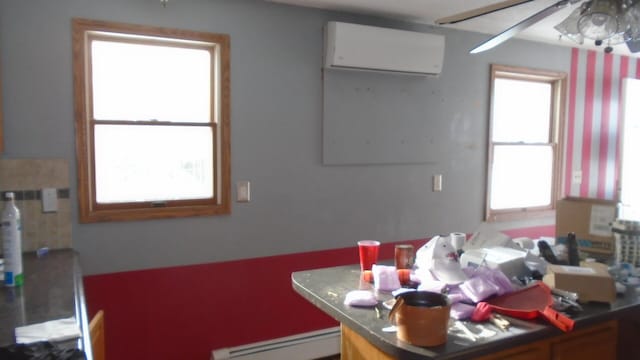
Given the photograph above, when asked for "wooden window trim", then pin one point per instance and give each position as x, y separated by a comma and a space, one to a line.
558, 81
89, 210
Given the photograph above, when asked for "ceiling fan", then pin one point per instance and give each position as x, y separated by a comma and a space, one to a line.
606, 22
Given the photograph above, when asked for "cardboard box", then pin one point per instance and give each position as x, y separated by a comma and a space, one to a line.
591, 282
590, 220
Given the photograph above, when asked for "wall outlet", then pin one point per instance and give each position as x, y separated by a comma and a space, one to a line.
49, 200
577, 177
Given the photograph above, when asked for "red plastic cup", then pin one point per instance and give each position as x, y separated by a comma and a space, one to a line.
368, 253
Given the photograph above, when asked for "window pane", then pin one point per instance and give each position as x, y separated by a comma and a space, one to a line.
521, 176
147, 82
630, 174
153, 163
521, 111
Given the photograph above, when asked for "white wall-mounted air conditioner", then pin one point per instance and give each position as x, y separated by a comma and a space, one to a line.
361, 47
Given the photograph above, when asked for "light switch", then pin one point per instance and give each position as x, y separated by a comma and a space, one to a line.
437, 182
243, 191
49, 200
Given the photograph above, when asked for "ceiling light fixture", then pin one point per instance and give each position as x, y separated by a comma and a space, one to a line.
609, 22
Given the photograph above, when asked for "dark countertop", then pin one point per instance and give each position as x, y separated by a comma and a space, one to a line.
326, 289
52, 290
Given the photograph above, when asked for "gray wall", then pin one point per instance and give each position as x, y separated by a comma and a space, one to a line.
298, 204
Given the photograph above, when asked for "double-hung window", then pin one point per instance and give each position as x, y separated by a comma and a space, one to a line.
629, 208
527, 111
152, 121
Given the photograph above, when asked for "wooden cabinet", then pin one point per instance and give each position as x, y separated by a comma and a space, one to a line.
595, 342
628, 335
601, 332
535, 351
355, 347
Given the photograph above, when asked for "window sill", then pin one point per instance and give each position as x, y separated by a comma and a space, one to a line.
524, 214
92, 216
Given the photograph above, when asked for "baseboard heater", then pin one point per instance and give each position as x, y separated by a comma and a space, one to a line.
305, 346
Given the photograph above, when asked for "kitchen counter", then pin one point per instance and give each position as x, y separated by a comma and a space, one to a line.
326, 289
52, 290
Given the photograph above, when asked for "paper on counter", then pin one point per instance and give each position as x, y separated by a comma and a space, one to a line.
54, 330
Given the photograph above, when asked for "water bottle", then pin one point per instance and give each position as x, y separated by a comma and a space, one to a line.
574, 254
12, 243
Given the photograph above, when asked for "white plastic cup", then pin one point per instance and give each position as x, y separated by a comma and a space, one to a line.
457, 240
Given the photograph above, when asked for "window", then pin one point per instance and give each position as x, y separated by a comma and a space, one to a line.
1, 131
630, 173
152, 121
527, 110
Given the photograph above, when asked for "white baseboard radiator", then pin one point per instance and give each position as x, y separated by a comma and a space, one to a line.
306, 346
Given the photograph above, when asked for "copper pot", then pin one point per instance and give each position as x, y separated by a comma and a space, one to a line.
422, 317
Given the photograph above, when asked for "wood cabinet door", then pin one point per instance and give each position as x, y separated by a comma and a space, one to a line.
597, 343
535, 351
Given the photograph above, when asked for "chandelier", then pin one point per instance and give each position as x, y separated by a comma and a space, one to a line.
605, 22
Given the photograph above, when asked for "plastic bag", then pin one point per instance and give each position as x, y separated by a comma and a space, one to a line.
385, 277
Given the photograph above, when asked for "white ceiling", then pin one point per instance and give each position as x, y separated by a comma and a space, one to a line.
427, 11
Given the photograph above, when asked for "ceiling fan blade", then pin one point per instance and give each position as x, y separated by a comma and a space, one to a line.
515, 29
479, 11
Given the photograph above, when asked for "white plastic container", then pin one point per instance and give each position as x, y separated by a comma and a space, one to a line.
12, 243
509, 261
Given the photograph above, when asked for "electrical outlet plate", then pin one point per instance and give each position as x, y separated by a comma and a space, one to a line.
49, 200
577, 177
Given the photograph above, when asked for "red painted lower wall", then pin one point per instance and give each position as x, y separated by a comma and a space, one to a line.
185, 312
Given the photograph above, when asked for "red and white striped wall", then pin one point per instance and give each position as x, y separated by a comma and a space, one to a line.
593, 122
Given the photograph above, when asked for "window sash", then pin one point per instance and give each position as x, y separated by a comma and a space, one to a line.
162, 48
160, 175
508, 123
524, 178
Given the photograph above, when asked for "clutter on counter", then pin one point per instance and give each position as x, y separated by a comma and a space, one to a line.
325, 288
482, 275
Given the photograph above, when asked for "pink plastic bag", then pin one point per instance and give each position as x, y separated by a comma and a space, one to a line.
461, 311
478, 288
360, 298
385, 277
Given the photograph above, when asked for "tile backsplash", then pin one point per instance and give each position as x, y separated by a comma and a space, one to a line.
26, 178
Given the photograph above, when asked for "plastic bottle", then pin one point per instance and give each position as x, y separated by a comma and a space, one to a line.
574, 254
12, 243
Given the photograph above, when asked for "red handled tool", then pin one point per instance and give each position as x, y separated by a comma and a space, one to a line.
528, 303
